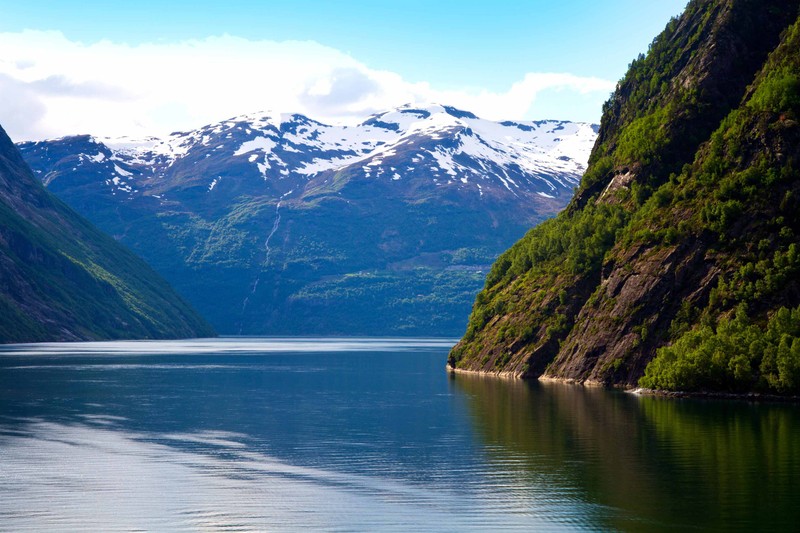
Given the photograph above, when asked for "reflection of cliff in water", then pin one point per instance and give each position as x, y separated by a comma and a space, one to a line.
651, 463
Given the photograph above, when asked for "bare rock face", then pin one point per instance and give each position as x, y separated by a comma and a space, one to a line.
633, 307
684, 214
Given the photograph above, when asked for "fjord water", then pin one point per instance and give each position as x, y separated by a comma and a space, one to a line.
367, 435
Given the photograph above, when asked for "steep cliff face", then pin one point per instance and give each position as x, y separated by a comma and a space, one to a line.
62, 279
686, 215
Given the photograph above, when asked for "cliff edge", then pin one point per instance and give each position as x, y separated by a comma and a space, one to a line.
675, 266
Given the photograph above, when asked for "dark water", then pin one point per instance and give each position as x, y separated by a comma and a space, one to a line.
367, 435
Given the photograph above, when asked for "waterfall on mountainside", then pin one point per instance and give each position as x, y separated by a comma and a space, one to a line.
268, 250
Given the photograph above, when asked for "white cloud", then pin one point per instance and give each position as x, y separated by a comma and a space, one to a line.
52, 86
20, 109
518, 100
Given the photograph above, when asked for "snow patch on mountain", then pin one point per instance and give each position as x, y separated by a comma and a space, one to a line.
264, 144
438, 144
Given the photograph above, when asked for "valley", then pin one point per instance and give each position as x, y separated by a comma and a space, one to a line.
278, 224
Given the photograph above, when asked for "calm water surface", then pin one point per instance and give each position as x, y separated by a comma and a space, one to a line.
367, 435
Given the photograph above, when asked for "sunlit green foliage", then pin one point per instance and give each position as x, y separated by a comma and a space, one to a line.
82, 282
575, 241
572, 244
644, 138
735, 356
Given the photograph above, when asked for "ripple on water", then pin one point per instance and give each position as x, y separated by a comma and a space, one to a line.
366, 435
79, 477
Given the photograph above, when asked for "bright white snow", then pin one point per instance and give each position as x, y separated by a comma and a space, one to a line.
452, 147
265, 144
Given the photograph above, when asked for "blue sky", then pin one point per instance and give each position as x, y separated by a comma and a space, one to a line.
470, 52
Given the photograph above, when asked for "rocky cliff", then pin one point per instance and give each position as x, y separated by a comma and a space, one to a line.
683, 232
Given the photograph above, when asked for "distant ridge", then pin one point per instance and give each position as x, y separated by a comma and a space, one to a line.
279, 224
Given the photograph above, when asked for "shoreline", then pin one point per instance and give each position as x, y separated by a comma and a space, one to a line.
753, 397
717, 395
480, 373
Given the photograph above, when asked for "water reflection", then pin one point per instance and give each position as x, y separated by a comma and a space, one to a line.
133, 483
366, 435
227, 345
652, 463
161, 437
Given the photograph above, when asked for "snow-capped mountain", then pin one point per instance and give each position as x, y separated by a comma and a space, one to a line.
267, 222
438, 144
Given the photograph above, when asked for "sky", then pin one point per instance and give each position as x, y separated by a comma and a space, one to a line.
147, 67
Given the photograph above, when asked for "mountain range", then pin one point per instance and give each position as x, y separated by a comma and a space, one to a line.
279, 224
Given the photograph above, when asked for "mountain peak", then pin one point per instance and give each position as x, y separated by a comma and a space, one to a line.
431, 146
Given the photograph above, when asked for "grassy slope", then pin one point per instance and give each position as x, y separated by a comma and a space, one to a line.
62, 279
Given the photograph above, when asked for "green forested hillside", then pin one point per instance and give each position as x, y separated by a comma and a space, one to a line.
62, 279
681, 243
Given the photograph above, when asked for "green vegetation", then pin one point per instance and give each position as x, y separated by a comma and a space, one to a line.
735, 182
573, 242
411, 302
736, 355
65, 280
644, 138
688, 216
570, 245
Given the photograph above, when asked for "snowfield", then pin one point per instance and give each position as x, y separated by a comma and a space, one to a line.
437, 143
